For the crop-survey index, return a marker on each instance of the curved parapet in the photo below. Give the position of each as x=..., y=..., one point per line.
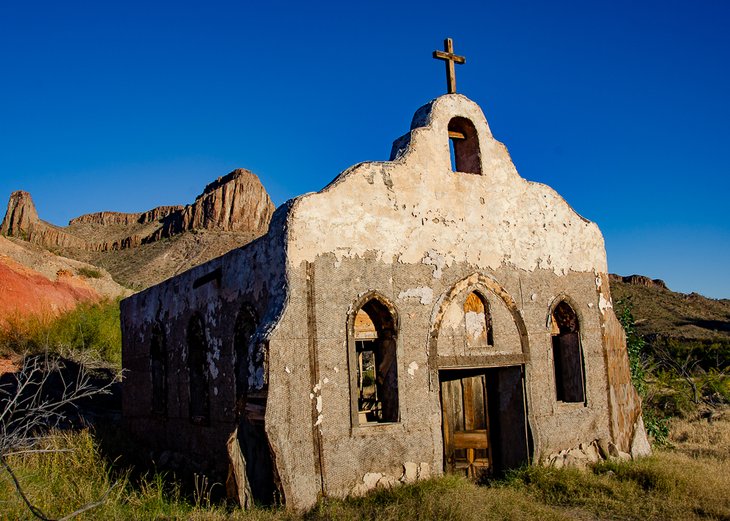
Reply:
x=416, y=206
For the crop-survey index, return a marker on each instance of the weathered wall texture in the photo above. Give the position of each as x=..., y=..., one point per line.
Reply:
x=218, y=291
x=415, y=209
x=422, y=236
x=419, y=237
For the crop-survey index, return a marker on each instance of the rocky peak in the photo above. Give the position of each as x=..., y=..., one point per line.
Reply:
x=22, y=221
x=20, y=216
x=234, y=202
x=640, y=280
x=237, y=201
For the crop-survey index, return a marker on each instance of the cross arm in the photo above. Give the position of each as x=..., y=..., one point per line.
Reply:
x=441, y=55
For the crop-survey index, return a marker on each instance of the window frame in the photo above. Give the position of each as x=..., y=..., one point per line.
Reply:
x=465, y=154
x=559, y=376
x=352, y=360
x=488, y=319
x=159, y=355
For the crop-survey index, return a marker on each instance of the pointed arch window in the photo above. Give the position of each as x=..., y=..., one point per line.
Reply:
x=373, y=339
x=567, y=354
x=478, y=321
x=198, y=371
x=464, y=146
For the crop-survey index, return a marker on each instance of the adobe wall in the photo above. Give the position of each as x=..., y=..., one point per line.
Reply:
x=217, y=290
x=421, y=236
x=412, y=230
x=352, y=456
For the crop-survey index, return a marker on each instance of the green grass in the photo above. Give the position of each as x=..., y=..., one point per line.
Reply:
x=89, y=273
x=89, y=332
x=670, y=485
x=686, y=480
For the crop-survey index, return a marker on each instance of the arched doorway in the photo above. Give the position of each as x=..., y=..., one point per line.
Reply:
x=482, y=392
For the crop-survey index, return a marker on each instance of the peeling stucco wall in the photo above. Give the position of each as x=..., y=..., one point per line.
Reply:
x=415, y=209
x=217, y=291
x=421, y=237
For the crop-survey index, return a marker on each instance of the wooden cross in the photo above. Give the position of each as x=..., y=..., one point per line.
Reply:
x=450, y=58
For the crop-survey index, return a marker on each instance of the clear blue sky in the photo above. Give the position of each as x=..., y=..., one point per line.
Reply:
x=622, y=107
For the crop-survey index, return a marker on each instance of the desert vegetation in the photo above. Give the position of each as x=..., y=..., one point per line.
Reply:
x=89, y=333
x=85, y=469
x=687, y=481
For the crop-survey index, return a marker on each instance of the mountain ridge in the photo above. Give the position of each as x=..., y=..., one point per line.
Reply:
x=234, y=202
x=144, y=248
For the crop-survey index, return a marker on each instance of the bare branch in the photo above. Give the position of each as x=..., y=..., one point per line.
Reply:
x=30, y=406
x=33, y=509
x=89, y=506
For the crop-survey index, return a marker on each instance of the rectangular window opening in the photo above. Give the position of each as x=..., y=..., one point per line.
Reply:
x=369, y=407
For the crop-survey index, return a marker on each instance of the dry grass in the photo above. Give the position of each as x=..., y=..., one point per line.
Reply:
x=688, y=481
x=706, y=436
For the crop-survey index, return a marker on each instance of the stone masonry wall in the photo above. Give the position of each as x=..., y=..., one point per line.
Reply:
x=352, y=454
x=411, y=229
x=253, y=276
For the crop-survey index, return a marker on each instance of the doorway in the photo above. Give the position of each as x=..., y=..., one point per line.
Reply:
x=484, y=421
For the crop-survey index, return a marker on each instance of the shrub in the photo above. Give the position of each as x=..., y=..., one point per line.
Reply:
x=89, y=273
x=90, y=332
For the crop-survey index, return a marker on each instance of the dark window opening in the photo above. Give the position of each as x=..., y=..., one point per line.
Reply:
x=197, y=372
x=245, y=328
x=213, y=276
x=567, y=355
x=478, y=321
x=376, y=364
x=158, y=370
x=464, y=146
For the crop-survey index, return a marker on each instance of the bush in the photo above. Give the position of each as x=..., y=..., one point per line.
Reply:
x=90, y=332
x=656, y=423
x=89, y=273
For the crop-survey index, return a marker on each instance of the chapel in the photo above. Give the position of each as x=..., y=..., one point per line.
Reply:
x=432, y=313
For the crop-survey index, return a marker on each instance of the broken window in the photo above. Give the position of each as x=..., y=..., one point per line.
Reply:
x=464, y=146
x=158, y=370
x=198, y=371
x=567, y=354
x=245, y=328
x=376, y=367
x=478, y=321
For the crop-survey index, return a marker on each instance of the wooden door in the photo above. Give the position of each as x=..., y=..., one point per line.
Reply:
x=465, y=421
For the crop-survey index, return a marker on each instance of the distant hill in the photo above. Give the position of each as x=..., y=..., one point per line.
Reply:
x=141, y=249
x=688, y=328
x=661, y=311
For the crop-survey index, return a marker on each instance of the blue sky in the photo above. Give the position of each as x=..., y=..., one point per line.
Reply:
x=622, y=107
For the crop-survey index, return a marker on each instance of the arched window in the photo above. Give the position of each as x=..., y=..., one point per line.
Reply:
x=375, y=386
x=464, y=146
x=567, y=354
x=198, y=371
x=245, y=328
x=478, y=321
x=158, y=371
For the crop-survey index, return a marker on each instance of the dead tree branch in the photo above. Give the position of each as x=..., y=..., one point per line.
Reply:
x=34, y=400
